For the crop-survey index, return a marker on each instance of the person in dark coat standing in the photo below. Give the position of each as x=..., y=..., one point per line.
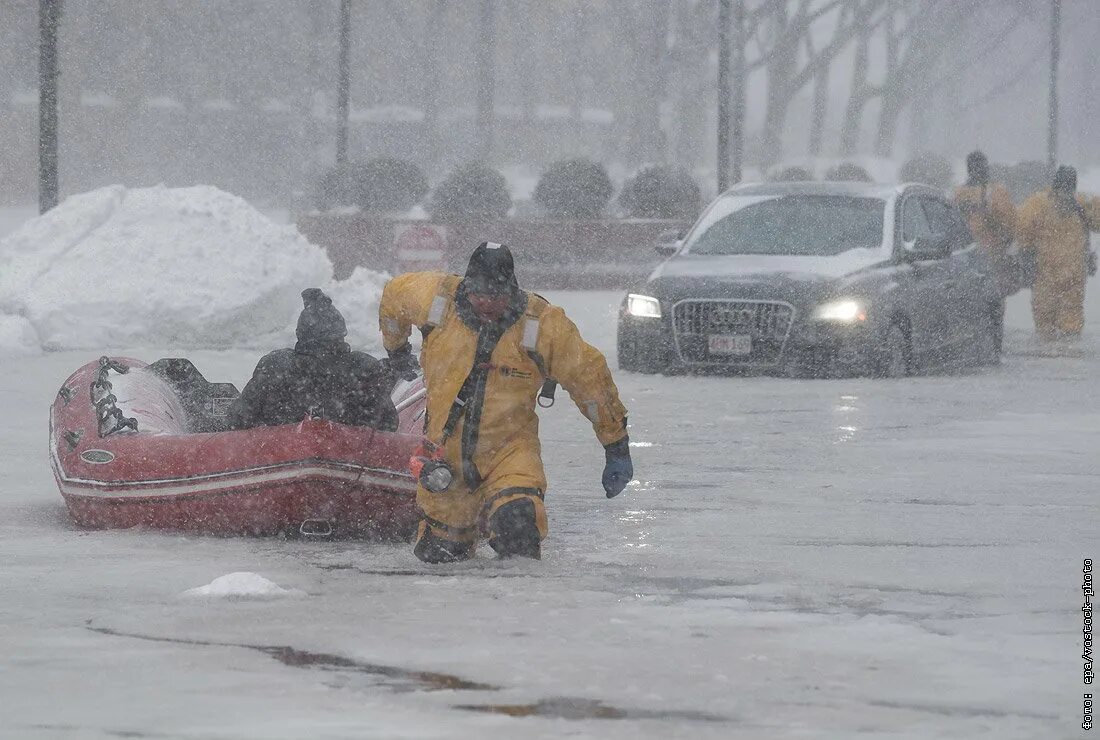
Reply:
x=321, y=377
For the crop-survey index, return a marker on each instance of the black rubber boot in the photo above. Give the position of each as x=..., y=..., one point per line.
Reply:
x=514, y=532
x=432, y=549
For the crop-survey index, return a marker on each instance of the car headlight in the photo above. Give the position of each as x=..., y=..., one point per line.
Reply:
x=643, y=305
x=844, y=311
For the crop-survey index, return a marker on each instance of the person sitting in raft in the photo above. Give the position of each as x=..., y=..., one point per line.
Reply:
x=320, y=377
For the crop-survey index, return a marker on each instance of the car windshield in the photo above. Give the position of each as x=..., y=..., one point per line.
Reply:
x=800, y=225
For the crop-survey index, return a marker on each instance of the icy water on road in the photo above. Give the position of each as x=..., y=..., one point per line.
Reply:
x=843, y=558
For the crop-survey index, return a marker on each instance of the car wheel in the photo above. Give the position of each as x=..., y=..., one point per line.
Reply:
x=896, y=357
x=990, y=339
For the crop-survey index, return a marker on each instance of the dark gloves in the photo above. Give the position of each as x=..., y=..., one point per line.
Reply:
x=402, y=362
x=618, y=470
x=1090, y=262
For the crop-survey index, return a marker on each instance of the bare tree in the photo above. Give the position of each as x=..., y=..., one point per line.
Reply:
x=647, y=21
x=927, y=45
x=691, y=89
x=790, y=58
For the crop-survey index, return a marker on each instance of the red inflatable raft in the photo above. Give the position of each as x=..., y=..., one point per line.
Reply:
x=133, y=444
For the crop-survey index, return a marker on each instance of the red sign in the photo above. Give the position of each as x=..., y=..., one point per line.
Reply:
x=419, y=247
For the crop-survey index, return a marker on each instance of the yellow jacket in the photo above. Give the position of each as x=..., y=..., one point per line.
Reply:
x=501, y=415
x=1058, y=235
x=990, y=214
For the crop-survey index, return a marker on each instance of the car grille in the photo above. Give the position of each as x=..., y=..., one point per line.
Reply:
x=767, y=322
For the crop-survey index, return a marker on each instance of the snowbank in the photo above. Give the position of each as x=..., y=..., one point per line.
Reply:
x=181, y=267
x=30, y=250
x=241, y=585
x=357, y=297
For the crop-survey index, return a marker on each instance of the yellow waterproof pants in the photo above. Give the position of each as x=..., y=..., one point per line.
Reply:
x=460, y=514
x=1058, y=306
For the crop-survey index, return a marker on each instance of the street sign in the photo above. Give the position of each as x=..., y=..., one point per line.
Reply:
x=420, y=247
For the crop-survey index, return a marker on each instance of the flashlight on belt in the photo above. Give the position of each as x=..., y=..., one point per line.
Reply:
x=430, y=468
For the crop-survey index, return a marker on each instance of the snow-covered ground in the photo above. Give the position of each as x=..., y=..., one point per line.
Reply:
x=832, y=559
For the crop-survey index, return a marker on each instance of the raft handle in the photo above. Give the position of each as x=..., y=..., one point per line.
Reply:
x=316, y=528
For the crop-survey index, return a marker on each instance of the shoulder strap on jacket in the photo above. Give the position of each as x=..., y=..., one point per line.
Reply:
x=444, y=298
x=536, y=305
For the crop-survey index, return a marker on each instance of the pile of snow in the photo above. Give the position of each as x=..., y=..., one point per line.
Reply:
x=242, y=585
x=30, y=250
x=357, y=298
x=171, y=267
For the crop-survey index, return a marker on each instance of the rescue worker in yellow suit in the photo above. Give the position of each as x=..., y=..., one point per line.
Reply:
x=991, y=215
x=1054, y=228
x=489, y=350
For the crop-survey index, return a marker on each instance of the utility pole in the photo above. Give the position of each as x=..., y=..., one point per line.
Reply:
x=343, y=83
x=1055, y=58
x=486, y=79
x=433, y=57
x=49, y=19
x=723, y=159
x=738, y=133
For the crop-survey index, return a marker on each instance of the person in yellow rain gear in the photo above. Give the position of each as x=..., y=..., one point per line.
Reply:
x=489, y=350
x=1054, y=228
x=989, y=212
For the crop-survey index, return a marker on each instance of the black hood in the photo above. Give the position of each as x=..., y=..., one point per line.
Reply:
x=321, y=326
x=491, y=270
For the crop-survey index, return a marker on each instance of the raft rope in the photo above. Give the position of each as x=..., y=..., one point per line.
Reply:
x=109, y=417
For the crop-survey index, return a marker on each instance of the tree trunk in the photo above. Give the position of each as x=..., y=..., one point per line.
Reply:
x=892, y=107
x=486, y=79
x=778, y=94
x=775, y=116
x=918, y=124
x=645, y=141
x=857, y=98
x=778, y=102
x=820, y=109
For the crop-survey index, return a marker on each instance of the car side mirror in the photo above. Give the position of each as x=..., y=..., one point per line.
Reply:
x=929, y=248
x=669, y=242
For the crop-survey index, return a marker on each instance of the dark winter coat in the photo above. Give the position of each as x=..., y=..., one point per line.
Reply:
x=322, y=377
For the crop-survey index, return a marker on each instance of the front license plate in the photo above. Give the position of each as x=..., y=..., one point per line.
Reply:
x=729, y=344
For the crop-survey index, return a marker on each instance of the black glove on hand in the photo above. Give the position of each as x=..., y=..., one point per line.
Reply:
x=618, y=470
x=402, y=362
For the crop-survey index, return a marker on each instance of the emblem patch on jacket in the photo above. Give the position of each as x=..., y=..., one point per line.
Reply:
x=512, y=372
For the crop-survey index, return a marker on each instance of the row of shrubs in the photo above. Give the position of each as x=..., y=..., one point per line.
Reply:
x=570, y=189
x=581, y=189
x=1021, y=179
